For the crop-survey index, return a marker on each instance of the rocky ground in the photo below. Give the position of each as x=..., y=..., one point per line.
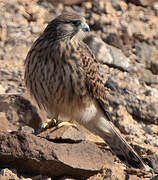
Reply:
x=124, y=39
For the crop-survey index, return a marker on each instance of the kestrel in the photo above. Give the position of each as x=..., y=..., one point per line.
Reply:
x=63, y=76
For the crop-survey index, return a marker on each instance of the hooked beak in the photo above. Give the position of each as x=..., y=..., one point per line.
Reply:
x=85, y=27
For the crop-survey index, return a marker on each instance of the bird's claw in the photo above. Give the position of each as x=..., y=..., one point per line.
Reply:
x=49, y=123
x=67, y=124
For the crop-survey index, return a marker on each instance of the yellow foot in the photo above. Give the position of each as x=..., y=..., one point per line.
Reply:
x=66, y=124
x=49, y=123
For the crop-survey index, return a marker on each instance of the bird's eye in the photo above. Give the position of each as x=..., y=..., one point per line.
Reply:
x=76, y=23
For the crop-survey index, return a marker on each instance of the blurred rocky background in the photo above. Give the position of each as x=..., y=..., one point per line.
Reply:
x=124, y=38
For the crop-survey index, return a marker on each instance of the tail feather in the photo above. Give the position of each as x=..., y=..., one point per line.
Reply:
x=121, y=148
x=102, y=127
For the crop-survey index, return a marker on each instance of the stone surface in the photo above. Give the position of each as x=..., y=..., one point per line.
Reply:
x=154, y=66
x=67, y=2
x=142, y=2
x=30, y=154
x=11, y=174
x=148, y=55
x=65, y=134
x=8, y=174
x=18, y=111
x=107, y=54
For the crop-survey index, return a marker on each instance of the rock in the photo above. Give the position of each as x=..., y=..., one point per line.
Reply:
x=147, y=76
x=37, y=155
x=98, y=6
x=148, y=55
x=150, y=140
x=2, y=90
x=8, y=174
x=35, y=29
x=116, y=5
x=113, y=39
x=107, y=54
x=67, y=2
x=143, y=50
x=11, y=174
x=116, y=172
x=127, y=124
x=143, y=3
x=154, y=161
x=5, y=124
x=155, y=178
x=19, y=111
x=154, y=66
x=155, y=7
x=119, y=59
x=64, y=134
x=27, y=129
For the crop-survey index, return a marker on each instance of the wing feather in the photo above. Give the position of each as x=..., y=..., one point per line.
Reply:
x=96, y=82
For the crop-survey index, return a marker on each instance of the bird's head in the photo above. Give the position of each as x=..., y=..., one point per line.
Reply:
x=66, y=25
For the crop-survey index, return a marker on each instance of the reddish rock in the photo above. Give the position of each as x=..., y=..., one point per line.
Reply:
x=19, y=111
x=5, y=125
x=68, y=2
x=30, y=154
x=6, y=174
x=12, y=174
x=142, y=2
x=154, y=66
x=64, y=134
